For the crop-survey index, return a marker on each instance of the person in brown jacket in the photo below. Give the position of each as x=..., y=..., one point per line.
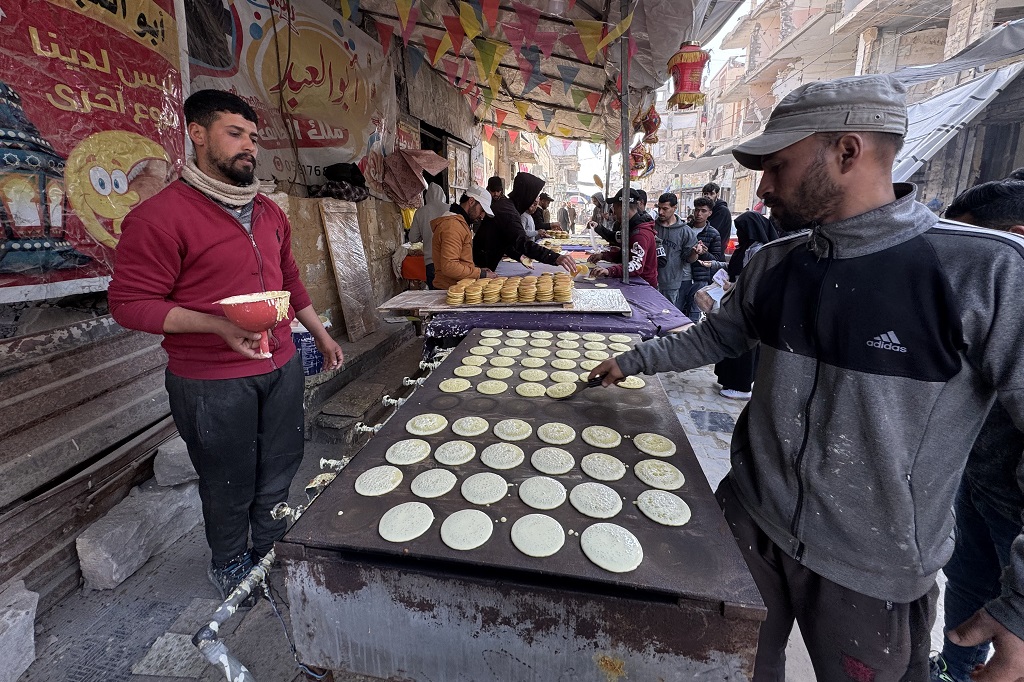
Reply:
x=453, y=239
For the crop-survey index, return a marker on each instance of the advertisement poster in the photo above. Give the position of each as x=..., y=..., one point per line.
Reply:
x=90, y=100
x=323, y=90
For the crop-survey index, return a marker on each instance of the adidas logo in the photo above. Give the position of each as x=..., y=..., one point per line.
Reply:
x=888, y=341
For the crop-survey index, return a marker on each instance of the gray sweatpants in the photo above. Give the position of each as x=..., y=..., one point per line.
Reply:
x=849, y=636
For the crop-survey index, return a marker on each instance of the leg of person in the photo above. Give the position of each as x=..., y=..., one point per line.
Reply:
x=671, y=294
x=680, y=300
x=852, y=636
x=430, y=275
x=218, y=420
x=972, y=575
x=764, y=560
x=690, y=308
x=280, y=450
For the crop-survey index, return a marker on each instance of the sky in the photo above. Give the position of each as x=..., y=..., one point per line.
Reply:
x=591, y=163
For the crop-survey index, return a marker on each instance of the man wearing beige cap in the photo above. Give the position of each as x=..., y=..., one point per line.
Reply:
x=882, y=347
x=453, y=239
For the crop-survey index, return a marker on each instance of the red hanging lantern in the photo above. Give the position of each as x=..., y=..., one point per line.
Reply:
x=687, y=69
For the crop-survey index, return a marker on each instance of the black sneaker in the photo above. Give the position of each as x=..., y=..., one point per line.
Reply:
x=938, y=670
x=227, y=576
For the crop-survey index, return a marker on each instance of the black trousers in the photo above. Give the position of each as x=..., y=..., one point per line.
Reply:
x=738, y=373
x=849, y=635
x=244, y=437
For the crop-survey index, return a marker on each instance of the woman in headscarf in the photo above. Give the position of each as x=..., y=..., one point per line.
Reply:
x=753, y=230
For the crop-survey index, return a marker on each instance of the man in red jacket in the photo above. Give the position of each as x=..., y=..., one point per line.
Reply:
x=205, y=237
x=643, y=250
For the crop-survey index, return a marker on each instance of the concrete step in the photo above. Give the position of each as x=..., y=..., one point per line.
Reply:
x=361, y=357
x=360, y=399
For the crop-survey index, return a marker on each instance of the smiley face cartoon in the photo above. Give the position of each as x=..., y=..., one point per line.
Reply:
x=108, y=174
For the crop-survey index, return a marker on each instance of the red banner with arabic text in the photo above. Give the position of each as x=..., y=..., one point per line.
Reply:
x=90, y=107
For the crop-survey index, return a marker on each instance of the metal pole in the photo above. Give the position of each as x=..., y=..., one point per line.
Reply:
x=624, y=136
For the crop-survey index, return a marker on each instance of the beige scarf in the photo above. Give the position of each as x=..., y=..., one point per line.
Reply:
x=231, y=195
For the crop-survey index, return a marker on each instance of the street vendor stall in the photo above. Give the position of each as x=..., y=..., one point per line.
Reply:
x=512, y=585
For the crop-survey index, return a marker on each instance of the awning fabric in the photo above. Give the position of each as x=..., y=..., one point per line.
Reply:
x=702, y=164
x=935, y=121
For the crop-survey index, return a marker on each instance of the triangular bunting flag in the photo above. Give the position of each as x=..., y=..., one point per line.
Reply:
x=489, y=54
x=566, y=144
x=436, y=47
x=591, y=33
x=385, y=32
x=532, y=125
x=618, y=141
x=545, y=86
x=488, y=131
x=456, y=34
x=408, y=24
x=528, y=17
x=529, y=65
x=513, y=135
x=572, y=3
x=549, y=116
x=451, y=72
x=490, y=12
x=568, y=74
x=488, y=95
x=615, y=104
x=495, y=83
x=563, y=131
x=617, y=31
x=593, y=99
x=523, y=108
x=632, y=47
x=470, y=20
x=585, y=119
x=542, y=138
x=515, y=34
x=573, y=42
x=404, y=8
x=578, y=96
x=416, y=58
x=545, y=40
x=499, y=116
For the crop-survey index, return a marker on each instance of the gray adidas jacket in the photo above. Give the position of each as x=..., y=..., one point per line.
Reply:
x=883, y=347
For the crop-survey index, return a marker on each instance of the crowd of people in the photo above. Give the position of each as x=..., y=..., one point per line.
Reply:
x=878, y=346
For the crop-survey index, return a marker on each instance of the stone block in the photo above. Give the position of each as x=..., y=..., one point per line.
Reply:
x=172, y=655
x=172, y=465
x=142, y=525
x=17, y=630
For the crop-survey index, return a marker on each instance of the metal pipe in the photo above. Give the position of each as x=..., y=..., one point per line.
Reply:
x=214, y=650
x=388, y=401
x=625, y=136
x=408, y=381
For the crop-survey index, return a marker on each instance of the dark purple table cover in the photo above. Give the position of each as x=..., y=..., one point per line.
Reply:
x=653, y=314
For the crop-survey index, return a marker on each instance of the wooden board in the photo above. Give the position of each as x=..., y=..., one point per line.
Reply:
x=351, y=268
x=584, y=301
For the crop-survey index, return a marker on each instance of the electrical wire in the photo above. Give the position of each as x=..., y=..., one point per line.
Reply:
x=284, y=627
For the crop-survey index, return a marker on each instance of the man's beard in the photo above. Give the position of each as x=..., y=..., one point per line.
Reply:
x=238, y=175
x=818, y=196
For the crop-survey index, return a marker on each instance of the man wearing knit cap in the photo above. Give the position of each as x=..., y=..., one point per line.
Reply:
x=882, y=347
x=205, y=237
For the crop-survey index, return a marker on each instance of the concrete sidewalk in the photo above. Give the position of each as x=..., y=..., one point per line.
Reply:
x=140, y=631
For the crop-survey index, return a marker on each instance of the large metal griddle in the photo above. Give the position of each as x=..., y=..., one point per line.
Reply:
x=698, y=561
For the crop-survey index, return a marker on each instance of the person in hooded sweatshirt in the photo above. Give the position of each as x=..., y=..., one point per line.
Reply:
x=643, y=250
x=435, y=205
x=503, y=235
x=736, y=375
x=677, y=242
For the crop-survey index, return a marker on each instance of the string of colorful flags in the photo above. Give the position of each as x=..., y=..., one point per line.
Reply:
x=475, y=29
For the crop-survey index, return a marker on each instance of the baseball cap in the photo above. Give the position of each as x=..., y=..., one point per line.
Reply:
x=857, y=104
x=482, y=197
x=634, y=196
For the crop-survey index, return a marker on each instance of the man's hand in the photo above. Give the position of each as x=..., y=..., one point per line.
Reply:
x=700, y=248
x=1007, y=663
x=542, y=234
x=239, y=340
x=567, y=262
x=609, y=369
x=706, y=263
x=598, y=272
x=333, y=356
x=594, y=258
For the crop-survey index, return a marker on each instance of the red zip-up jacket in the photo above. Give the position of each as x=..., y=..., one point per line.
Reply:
x=643, y=254
x=180, y=249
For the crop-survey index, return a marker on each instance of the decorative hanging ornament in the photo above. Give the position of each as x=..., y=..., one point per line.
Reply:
x=641, y=162
x=648, y=123
x=687, y=69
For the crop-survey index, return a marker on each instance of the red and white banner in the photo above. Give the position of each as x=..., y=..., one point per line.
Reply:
x=90, y=100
